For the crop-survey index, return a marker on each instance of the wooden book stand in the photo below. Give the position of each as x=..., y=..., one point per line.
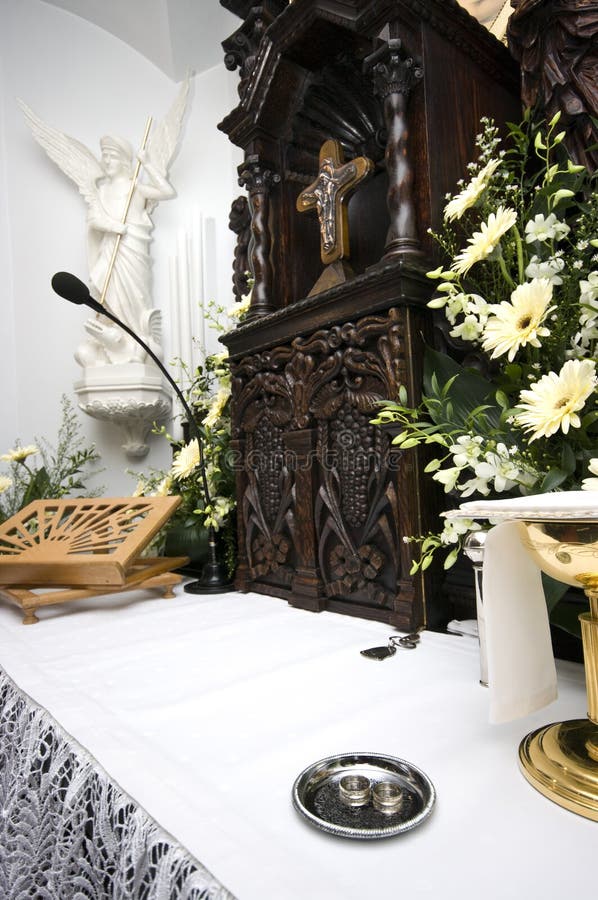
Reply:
x=83, y=548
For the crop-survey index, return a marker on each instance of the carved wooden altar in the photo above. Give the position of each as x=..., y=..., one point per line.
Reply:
x=323, y=501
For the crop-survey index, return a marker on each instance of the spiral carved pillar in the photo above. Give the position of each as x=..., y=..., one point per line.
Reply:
x=258, y=178
x=395, y=75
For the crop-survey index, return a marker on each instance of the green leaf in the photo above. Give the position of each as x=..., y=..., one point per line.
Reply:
x=568, y=460
x=467, y=389
x=552, y=480
x=502, y=400
x=38, y=487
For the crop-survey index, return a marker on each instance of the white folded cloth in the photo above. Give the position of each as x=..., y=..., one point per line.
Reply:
x=521, y=669
x=559, y=504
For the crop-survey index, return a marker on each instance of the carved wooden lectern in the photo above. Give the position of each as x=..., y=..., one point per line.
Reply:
x=323, y=503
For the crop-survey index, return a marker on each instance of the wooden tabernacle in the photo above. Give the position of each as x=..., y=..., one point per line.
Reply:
x=83, y=548
x=399, y=87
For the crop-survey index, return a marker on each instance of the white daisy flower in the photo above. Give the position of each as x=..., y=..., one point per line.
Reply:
x=186, y=460
x=469, y=195
x=483, y=243
x=517, y=323
x=554, y=401
x=20, y=454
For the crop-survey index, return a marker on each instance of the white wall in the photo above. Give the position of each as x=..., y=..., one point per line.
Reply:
x=82, y=80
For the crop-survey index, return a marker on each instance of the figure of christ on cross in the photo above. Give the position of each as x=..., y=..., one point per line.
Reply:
x=327, y=195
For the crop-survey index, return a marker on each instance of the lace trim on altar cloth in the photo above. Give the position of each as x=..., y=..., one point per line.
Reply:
x=67, y=832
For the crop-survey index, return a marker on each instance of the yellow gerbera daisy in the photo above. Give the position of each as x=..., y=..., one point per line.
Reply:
x=186, y=460
x=470, y=194
x=554, y=401
x=519, y=322
x=20, y=454
x=483, y=243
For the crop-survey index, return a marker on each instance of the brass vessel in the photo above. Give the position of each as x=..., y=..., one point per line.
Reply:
x=561, y=760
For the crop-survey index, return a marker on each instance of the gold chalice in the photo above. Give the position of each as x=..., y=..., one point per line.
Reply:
x=561, y=760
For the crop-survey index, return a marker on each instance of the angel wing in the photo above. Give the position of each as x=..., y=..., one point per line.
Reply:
x=72, y=157
x=164, y=138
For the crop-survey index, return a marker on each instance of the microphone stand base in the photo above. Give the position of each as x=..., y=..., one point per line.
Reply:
x=213, y=579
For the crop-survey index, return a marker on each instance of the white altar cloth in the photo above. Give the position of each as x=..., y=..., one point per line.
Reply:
x=205, y=709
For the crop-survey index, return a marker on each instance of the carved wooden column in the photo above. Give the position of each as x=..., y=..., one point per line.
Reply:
x=301, y=456
x=395, y=74
x=258, y=178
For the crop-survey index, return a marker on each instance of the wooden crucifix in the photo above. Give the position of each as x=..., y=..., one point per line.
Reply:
x=327, y=195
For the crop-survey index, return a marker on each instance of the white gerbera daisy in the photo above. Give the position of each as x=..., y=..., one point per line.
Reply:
x=483, y=243
x=470, y=194
x=186, y=460
x=554, y=401
x=591, y=484
x=20, y=454
x=5, y=483
x=517, y=323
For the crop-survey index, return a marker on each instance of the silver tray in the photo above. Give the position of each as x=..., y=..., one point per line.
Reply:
x=316, y=796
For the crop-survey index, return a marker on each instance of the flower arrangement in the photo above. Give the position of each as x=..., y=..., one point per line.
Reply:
x=207, y=391
x=57, y=471
x=519, y=293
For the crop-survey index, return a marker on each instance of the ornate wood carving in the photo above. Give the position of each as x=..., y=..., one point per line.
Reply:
x=239, y=221
x=556, y=42
x=258, y=178
x=321, y=507
x=339, y=105
x=395, y=75
x=240, y=48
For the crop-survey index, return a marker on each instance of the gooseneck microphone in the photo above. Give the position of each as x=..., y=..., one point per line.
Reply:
x=213, y=580
x=74, y=290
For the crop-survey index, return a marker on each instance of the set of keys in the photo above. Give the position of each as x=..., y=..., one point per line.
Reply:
x=406, y=642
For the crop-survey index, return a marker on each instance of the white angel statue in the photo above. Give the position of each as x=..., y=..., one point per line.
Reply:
x=119, y=204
